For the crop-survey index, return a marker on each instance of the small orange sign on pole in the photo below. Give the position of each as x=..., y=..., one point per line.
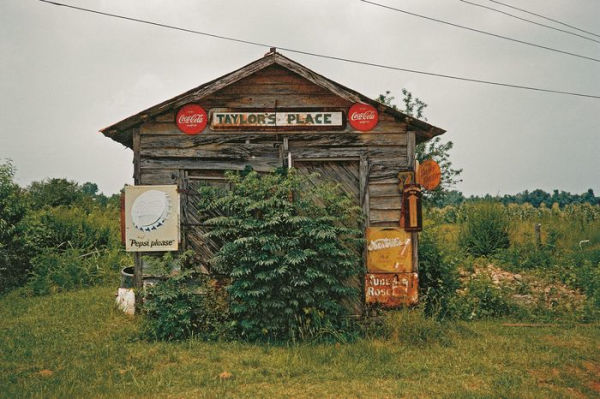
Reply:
x=429, y=174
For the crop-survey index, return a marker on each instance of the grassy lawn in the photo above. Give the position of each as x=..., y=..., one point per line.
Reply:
x=76, y=345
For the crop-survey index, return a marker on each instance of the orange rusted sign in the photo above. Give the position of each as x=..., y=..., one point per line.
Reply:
x=429, y=174
x=389, y=250
x=391, y=290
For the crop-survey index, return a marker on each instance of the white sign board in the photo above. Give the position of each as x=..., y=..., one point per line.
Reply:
x=300, y=119
x=151, y=218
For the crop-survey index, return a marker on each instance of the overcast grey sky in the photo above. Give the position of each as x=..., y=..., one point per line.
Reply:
x=66, y=74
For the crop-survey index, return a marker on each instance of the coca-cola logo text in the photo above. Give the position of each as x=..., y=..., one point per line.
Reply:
x=196, y=118
x=363, y=116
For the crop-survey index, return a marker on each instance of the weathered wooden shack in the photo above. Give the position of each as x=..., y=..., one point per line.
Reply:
x=320, y=136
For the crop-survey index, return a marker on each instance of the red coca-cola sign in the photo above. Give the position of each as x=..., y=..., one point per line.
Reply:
x=191, y=119
x=363, y=117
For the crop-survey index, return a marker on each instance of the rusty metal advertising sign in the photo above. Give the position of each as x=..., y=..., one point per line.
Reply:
x=391, y=290
x=389, y=250
x=151, y=218
x=229, y=119
x=429, y=174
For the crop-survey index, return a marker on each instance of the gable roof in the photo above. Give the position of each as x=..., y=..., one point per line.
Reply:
x=122, y=131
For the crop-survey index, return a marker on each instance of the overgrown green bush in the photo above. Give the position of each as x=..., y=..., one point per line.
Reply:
x=62, y=228
x=184, y=303
x=485, y=229
x=74, y=268
x=16, y=247
x=292, y=251
x=481, y=299
x=526, y=256
x=438, y=277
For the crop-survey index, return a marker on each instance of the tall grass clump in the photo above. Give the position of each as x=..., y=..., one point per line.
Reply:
x=438, y=277
x=485, y=229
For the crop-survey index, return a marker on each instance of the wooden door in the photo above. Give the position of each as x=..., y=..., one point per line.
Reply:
x=192, y=221
x=344, y=172
x=351, y=176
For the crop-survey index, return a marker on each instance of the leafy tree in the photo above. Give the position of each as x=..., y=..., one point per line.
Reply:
x=54, y=192
x=433, y=149
x=15, y=248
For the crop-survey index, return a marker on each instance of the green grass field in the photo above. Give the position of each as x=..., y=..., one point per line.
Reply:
x=75, y=345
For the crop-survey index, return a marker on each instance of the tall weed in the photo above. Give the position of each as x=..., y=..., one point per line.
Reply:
x=485, y=229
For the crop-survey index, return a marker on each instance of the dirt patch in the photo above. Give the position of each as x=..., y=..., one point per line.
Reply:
x=594, y=386
x=45, y=373
x=592, y=367
x=562, y=343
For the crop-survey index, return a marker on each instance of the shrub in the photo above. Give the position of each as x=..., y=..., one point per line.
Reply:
x=289, y=253
x=73, y=268
x=481, y=299
x=485, y=229
x=61, y=228
x=186, y=304
x=438, y=277
x=526, y=256
x=16, y=247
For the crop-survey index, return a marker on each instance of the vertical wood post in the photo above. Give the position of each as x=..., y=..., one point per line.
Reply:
x=138, y=282
x=411, y=143
x=538, y=234
x=137, y=257
x=136, y=156
x=363, y=176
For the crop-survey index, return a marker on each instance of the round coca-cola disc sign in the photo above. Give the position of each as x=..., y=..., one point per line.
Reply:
x=191, y=119
x=363, y=117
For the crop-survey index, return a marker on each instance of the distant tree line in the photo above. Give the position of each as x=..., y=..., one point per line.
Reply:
x=536, y=198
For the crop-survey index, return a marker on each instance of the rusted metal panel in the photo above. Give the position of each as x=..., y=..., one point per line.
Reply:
x=392, y=289
x=389, y=250
x=429, y=174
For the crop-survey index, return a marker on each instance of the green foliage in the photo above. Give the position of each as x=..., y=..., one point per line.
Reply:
x=54, y=271
x=526, y=256
x=54, y=192
x=438, y=277
x=485, y=229
x=16, y=250
x=481, y=299
x=184, y=304
x=57, y=235
x=73, y=227
x=414, y=327
x=433, y=149
x=291, y=250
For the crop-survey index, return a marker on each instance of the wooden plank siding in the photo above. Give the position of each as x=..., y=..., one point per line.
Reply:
x=164, y=154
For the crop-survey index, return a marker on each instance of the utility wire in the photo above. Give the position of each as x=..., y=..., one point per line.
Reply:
x=529, y=20
x=482, y=31
x=546, y=18
x=372, y=64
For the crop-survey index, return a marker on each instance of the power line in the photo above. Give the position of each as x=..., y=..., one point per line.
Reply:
x=546, y=18
x=482, y=31
x=529, y=20
x=372, y=64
